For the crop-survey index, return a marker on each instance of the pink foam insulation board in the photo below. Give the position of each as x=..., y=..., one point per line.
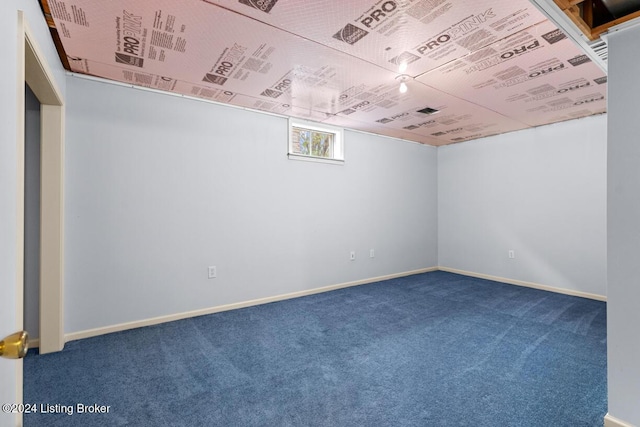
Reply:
x=473, y=68
x=423, y=34
x=536, y=76
x=427, y=112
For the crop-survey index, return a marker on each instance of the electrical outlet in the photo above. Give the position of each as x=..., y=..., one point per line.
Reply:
x=372, y=253
x=212, y=272
x=352, y=256
x=512, y=254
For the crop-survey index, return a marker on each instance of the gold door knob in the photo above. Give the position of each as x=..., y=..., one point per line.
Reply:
x=15, y=346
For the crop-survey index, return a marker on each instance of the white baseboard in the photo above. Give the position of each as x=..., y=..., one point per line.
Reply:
x=526, y=284
x=217, y=309
x=610, y=421
x=163, y=319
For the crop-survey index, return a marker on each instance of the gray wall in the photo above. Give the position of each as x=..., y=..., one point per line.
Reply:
x=32, y=214
x=540, y=192
x=160, y=187
x=623, y=314
x=155, y=195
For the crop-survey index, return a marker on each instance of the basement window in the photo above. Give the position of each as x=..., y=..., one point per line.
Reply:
x=315, y=142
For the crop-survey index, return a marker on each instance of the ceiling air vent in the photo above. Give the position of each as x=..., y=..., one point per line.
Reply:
x=599, y=48
x=428, y=110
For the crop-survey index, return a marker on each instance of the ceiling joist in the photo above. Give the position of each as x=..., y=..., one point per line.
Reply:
x=592, y=17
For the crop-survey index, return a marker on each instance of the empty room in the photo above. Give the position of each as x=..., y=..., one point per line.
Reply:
x=330, y=213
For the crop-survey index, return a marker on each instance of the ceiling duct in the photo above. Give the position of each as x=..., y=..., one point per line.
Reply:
x=621, y=8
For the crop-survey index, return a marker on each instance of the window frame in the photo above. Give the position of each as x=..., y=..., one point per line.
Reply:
x=338, y=141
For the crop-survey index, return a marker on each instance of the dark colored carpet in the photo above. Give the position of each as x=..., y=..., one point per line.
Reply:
x=434, y=349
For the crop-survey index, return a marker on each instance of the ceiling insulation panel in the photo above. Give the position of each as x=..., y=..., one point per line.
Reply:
x=536, y=76
x=452, y=120
x=423, y=34
x=338, y=61
x=381, y=130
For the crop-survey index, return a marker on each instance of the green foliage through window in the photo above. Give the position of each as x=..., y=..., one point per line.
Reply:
x=313, y=143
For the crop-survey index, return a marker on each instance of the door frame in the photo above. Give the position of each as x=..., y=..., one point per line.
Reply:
x=34, y=70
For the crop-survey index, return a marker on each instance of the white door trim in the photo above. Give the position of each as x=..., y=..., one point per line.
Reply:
x=39, y=77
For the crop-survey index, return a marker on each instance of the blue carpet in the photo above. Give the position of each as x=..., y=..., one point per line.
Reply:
x=434, y=349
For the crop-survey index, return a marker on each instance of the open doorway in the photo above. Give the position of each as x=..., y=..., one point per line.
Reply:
x=39, y=78
x=31, y=316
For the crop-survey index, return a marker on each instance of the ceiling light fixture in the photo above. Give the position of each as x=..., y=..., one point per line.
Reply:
x=403, y=82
